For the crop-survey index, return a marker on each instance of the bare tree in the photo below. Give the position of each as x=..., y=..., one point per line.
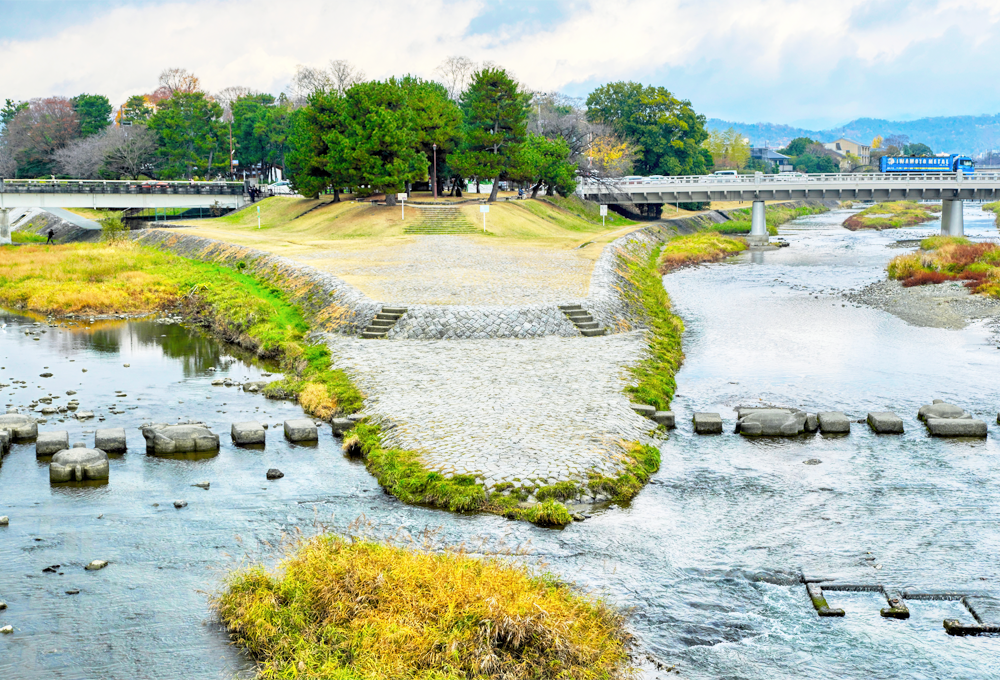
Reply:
x=83, y=158
x=343, y=74
x=306, y=81
x=227, y=96
x=455, y=73
x=131, y=151
x=37, y=132
x=179, y=80
x=8, y=166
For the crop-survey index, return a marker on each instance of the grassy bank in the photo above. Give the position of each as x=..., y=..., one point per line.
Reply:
x=356, y=609
x=703, y=246
x=126, y=278
x=995, y=209
x=950, y=258
x=892, y=215
x=775, y=216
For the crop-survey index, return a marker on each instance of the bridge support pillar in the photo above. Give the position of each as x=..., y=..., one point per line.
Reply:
x=758, y=225
x=4, y=226
x=952, y=221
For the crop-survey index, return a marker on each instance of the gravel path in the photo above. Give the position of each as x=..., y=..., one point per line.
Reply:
x=449, y=270
x=547, y=409
x=943, y=305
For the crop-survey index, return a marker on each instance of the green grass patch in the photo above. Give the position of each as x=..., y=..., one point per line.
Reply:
x=774, y=215
x=27, y=237
x=571, y=214
x=353, y=609
x=892, y=215
x=994, y=208
x=950, y=258
x=644, y=461
x=702, y=246
x=935, y=242
x=586, y=210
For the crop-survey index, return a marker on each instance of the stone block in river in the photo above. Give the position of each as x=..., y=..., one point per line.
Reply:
x=20, y=426
x=643, y=410
x=4, y=442
x=250, y=432
x=301, y=430
x=833, y=422
x=771, y=422
x=707, y=423
x=665, y=418
x=941, y=409
x=254, y=386
x=111, y=440
x=78, y=464
x=956, y=427
x=812, y=422
x=49, y=443
x=189, y=438
x=342, y=425
x=885, y=422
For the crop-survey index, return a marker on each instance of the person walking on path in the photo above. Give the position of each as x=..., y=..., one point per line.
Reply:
x=51, y=234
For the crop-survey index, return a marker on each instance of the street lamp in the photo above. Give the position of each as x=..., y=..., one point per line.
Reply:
x=434, y=170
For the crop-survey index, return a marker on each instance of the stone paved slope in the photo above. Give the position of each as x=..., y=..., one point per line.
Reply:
x=547, y=409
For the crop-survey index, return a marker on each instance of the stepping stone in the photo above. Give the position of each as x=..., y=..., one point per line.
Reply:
x=771, y=422
x=833, y=422
x=188, y=438
x=815, y=592
x=941, y=409
x=49, y=443
x=20, y=426
x=78, y=464
x=885, y=422
x=665, y=418
x=301, y=430
x=4, y=442
x=643, y=410
x=111, y=440
x=707, y=423
x=341, y=425
x=956, y=427
x=250, y=432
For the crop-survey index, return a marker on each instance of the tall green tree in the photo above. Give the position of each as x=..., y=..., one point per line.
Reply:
x=494, y=116
x=437, y=120
x=94, y=113
x=666, y=132
x=136, y=111
x=9, y=110
x=544, y=161
x=260, y=131
x=370, y=137
x=191, y=135
x=306, y=159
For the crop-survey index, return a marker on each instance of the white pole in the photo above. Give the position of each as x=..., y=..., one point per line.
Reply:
x=258, y=217
x=403, y=205
x=484, y=223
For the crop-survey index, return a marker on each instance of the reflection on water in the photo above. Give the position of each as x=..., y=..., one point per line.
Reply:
x=707, y=556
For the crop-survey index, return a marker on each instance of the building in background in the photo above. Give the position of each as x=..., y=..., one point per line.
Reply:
x=844, y=146
x=771, y=158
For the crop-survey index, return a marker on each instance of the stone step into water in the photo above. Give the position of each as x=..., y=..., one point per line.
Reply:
x=301, y=430
x=50, y=443
x=19, y=425
x=707, y=423
x=885, y=422
x=164, y=439
x=833, y=422
x=774, y=422
x=247, y=433
x=79, y=464
x=947, y=420
x=111, y=440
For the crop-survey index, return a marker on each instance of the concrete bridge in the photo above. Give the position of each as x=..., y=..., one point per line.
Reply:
x=41, y=193
x=949, y=188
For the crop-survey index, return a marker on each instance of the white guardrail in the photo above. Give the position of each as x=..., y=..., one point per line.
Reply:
x=92, y=186
x=796, y=178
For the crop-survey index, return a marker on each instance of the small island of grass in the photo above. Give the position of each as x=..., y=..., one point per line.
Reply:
x=892, y=215
x=950, y=258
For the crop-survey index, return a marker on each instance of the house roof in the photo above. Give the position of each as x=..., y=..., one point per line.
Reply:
x=766, y=154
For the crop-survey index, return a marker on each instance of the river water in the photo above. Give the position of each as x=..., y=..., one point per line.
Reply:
x=707, y=557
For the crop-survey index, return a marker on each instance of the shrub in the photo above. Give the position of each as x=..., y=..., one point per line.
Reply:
x=921, y=278
x=548, y=513
x=113, y=229
x=935, y=242
x=904, y=266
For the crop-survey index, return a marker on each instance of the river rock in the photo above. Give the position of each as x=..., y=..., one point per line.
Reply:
x=111, y=440
x=189, y=438
x=4, y=521
x=665, y=418
x=940, y=409
x=6, y=630
x=301, y=430
x=218, y=382
x=49, y=443
x=78, y=464
x=956, y=427
x=20, y=426
x=885, y=422
x=203, y=485
x=770, y=422
x=96, y=565
x=341, y=425
x=833, y=422
x=4, y=442
x=275, y=473
x=180, y=504
x=254, y=386
x=250, y=432
x=84, y=415
x=707, y=423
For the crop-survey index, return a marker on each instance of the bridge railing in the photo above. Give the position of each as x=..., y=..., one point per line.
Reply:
x=75, y=186
x=635, y=184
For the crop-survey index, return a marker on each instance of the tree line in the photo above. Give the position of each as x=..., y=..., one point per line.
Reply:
x=333, y=130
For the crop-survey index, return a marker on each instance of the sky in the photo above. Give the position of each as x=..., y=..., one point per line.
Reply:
x=810, y=63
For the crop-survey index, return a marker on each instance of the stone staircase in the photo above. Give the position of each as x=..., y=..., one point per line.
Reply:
x=583, y=321
x=383, y=322
x=441, y=219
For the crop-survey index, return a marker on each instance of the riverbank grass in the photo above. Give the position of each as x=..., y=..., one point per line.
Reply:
x=361, y=610
x=774, y=216
x=123, y=277
x=892, y=215
x=702, y=246
x=950, y=258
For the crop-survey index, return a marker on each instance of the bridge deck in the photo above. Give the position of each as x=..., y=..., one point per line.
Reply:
x=865, y=187
x=118, y=194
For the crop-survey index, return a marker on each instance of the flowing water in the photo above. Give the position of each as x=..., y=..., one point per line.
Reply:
x=708, y=556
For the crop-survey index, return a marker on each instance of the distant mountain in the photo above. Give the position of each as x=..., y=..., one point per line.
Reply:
x=946, y=134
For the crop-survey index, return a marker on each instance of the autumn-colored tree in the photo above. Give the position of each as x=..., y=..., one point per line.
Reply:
x=610, y=157
x=35, y=133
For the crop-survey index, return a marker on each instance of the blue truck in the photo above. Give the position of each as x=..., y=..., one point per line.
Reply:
x=952, y=163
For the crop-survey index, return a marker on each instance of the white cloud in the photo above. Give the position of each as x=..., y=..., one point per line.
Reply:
x=741, y=59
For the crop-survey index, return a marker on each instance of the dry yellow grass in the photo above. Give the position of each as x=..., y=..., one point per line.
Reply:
x=364, y=610
x=316, y=399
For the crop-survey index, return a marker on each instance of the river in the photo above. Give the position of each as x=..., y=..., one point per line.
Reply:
x=707, y=557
